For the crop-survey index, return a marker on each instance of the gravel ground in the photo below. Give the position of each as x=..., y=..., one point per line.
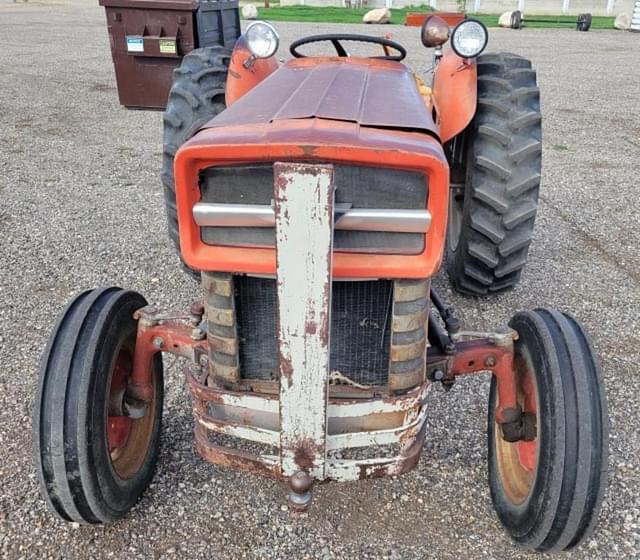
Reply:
x=82, y=206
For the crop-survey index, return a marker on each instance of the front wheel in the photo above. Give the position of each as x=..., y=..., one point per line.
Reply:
x=547, y=491
x=93, y=459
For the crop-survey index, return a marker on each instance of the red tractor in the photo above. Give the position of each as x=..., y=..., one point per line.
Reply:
x=315, y=200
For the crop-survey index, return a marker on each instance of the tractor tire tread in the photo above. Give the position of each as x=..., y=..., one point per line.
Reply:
x=196, y=96
x=64, y=446
x=503, y=178
x=562, y=508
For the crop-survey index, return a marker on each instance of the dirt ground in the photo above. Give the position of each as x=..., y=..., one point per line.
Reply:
x=81, y=206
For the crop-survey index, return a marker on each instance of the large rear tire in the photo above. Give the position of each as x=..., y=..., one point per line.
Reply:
x=93, y=461
x=492, y=215
x=547, y=492
x=196, y=96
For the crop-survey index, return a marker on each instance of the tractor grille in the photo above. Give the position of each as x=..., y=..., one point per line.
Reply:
x=360, y=328
x=356, y=186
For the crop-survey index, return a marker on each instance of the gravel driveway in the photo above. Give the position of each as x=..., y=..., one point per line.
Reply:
x=82, y=206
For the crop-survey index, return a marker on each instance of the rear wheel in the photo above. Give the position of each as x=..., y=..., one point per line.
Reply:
x=492, y=213
x=547, y=492
x=196, y=96
x=93, y=459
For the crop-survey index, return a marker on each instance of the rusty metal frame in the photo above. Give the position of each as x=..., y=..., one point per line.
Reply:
x=156, y=333
x=301, y=421
x=481, y=353
x=351, y=422
x=256, y=418
x=485, y=355
x=297, y=418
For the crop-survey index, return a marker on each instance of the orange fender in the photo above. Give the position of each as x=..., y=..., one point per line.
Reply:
x=241, y=79
x=455, y=92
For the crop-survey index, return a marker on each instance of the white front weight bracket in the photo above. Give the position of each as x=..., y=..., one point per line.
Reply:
x=304, y=200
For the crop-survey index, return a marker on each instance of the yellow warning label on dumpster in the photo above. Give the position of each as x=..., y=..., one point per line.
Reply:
x=167, y=46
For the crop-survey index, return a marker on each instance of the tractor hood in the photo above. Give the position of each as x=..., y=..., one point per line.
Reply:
x=369, y=92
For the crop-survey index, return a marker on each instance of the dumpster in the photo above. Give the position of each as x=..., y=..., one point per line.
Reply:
x=149, y=38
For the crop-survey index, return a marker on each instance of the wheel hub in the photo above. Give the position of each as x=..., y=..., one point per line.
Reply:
x=118, y=423
x=129, y=422
x=517, y=439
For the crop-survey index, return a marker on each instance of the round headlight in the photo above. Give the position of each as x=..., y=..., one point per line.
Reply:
x=469, y=38
x=435, y=32
x=262, y=39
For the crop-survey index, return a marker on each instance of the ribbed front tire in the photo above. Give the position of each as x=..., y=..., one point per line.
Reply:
x=547, y=492
x=93, y=462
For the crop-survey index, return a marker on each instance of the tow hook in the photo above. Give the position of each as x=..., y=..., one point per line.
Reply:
x=300, y=495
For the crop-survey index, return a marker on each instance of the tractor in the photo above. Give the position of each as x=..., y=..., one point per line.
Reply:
x=315, y=199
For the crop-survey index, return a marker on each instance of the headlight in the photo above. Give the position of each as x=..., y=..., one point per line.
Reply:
x=262, y=39
x=435, y=32
x=469, y=38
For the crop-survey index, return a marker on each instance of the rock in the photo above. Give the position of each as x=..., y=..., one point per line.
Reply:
x=622, y=21
x=505, y=20
x=379, y=15
x=249, y=11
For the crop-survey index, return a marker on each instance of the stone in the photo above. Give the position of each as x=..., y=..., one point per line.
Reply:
x=249, y=11
x=379, y=15
x=505, y=20
x=622, y=21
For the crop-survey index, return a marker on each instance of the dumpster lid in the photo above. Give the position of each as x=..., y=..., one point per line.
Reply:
x=152, y=4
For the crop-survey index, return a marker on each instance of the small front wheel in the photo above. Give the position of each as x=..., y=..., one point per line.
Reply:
x=547, y=491
x=94, y=459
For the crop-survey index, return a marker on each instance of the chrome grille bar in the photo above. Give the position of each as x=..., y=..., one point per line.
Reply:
x=207, y=214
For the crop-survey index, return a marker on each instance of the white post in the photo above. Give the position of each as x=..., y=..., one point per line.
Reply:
x=476, y=5
x=565, y=6
x=521, y=5
x=303, y=195
x=611, y=4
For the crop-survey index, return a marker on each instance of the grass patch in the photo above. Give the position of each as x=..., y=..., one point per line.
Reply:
x=330, y=14
x=334, y=14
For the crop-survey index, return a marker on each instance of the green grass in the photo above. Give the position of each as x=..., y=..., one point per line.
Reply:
x=349, y=15
x=329, y=14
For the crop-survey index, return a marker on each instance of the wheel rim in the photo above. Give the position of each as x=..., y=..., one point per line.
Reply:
x=127, y=439
x=518, y=461
x=456, y=201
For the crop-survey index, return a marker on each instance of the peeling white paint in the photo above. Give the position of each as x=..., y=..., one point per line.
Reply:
x=250, y=433
x=304, y=197
x=378, y=437
x=366, y=407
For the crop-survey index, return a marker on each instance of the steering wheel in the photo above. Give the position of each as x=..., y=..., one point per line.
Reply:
x=335, y=39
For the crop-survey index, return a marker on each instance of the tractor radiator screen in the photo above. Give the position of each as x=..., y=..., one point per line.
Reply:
x=356, y=186
x=360, y=328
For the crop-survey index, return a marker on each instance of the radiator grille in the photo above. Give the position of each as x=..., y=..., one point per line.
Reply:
x=359, y=187
x=360, y=328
